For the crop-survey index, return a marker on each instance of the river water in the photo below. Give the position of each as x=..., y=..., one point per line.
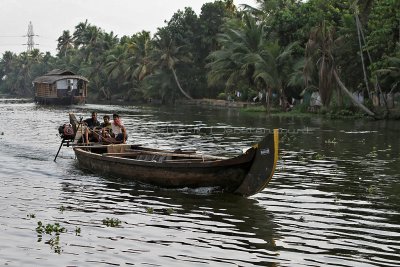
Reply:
x=333, y=201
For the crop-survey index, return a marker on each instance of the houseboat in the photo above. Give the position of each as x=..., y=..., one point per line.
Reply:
x=60, y=87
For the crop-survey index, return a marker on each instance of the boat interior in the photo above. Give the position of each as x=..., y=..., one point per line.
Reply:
x=152, y=155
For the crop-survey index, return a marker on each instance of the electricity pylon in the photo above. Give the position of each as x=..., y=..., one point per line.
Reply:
x=30, y=34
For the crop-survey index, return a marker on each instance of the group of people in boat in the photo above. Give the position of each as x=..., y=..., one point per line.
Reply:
x=109, y=131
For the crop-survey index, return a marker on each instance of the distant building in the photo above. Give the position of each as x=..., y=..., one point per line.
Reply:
x=60, y=87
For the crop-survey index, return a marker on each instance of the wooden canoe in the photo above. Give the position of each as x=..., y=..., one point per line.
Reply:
x=246, y=174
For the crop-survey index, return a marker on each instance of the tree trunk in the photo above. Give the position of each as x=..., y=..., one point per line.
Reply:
x=179, y=85
x=355, y=102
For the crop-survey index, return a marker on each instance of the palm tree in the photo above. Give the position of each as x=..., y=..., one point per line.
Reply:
x=109, y=41
x=391, y=73
x=247, y=55
x=167, y=55
x=65, y=43
x=140, y=48
x=117, y=65
x=79, y=34
x=320, y=58
x=319, y=50
x=7, y=61
x=273, y=67
x=232, y=63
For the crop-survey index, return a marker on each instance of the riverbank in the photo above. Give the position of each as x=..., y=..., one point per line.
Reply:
x=216, y=103
x=299, y=111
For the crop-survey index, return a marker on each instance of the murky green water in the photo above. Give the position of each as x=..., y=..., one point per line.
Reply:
x=334, y=200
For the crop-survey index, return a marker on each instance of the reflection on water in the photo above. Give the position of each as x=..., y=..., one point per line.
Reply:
x=334, y=200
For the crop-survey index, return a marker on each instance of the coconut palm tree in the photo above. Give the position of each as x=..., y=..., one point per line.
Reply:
x=65, y=43
x=233, y=63
x=79, y=34
x=391, y=73
x=320, y=58
x=140, y=47
x=117, y=65
x=166, y=55
x=273, y=67
x=248, y=55
x=319, y=53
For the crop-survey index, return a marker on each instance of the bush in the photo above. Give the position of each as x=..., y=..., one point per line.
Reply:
x=221, y=96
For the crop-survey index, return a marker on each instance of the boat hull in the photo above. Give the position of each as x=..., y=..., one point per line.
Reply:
x=228, y=176
x=245, y=175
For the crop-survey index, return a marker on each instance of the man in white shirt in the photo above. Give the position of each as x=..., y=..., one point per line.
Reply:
x=118, y=129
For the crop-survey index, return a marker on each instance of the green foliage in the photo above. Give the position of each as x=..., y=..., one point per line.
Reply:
x=223, y=50
x=222, y=96
x=150, y=210
x=77, y=230
x=50, y=229
x=384, y=43
x=111, y=222
x=170, y=211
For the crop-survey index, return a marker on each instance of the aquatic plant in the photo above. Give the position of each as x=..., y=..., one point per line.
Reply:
x=149, y=210
x=331, y=141
x=318, y=156
x=49, y=229
x=111, y=222
x=371, y=189
x=54, y=243
x=77, y=230
x=301, y=158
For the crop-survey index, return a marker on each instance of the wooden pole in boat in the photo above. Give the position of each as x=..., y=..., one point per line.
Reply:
x=62, y=142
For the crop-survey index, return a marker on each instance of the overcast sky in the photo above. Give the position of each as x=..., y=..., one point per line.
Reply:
x=51, y=17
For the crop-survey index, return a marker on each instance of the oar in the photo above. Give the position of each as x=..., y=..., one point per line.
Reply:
x=62, y=142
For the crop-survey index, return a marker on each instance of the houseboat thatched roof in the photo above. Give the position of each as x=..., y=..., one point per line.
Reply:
x=57, y=74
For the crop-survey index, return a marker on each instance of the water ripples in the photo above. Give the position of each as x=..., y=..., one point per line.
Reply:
x=334, y=200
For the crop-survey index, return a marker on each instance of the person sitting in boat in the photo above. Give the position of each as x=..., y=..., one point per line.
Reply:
x=105, y=126
x=118, y=129
x=91, y=131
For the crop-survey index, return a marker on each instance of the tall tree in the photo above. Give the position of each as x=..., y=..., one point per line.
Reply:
x=167, y=55
x=320, y=52
x=65, y=43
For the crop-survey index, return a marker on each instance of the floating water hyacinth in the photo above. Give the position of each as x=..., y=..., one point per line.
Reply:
x=111, y=222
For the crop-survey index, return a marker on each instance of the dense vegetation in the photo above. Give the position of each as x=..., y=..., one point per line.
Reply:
x=281, y=47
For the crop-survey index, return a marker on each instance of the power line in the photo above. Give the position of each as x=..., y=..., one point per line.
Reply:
x=7, y=40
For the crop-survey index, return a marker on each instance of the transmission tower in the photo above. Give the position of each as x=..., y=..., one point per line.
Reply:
x=31, y=42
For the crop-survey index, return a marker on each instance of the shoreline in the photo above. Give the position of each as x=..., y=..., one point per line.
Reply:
x=247, y=107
